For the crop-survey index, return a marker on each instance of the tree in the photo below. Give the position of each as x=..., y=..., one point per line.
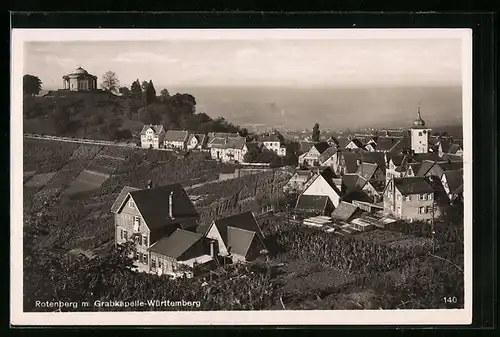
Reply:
x=252, y=155
x=150, y=92
x=165, y=95
x=244, y=132
x=124, y=91
x=135, y=89
x=183, y=104
x=110, y=82
x=315, y=133
x=31, y=85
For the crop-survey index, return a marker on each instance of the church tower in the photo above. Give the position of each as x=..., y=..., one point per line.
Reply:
x=419, y=135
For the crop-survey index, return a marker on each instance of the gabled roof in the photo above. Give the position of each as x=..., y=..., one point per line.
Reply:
x=452, y=157
x=357, y=142
x=374, y=158
x=454, y=148
x=387, y=143
x=153, y=205
x=349, y=182
x=445, y=145
x=228, y=143
x=367, y=170
x=351, y=161
x=454, y=179
x=402, y=144
x=237, y=231
x=156, y=128
x=269, y=138
x=176, y=136
x=451, y=166
x=397, y=159
x=312, y=202
x=342, y=142
x=333, y=140
x=327, y=154
x=200, y=137
x=176, y=244
x=321, y=146
x=344, y=211
x=306, y=146
x=425, y=156
x=121, y=197
x=425, y=166
x=413, y=185
x=252, y=145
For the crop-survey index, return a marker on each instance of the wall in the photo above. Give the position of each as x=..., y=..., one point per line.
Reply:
x=124, y=220
x=420, y=140
x=410, y=208
x=213, y=233
x=321, y=187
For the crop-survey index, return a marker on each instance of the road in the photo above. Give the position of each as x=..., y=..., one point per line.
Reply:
x=79, y=140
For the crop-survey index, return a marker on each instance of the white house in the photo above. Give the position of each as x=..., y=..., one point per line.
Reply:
x=453, y=182
x=196, y=141
x=322, y=185
x=176, y=139
x=311, y=157
x=272, y=143
x=229, y=149
x=152, y=136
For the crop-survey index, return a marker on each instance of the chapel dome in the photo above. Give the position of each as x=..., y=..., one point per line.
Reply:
x=80, y=71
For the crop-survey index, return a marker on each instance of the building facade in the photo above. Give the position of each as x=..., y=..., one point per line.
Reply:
x=419, y=135
x=79, y=80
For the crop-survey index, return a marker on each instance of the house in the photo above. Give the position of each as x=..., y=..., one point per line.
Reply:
x=231, y=149
x=305, y=146
x=299, y=181
x=355, y=143
x=438, y=168
x=355, y=187
x=328, y=158
x=152, y=136
x=147, y=215
x=272, y=143
x=196, y=141
x=453, y=182
x=371, y=172
x=371, y=147
x=311, y=157
x=213, y=135
x=312, y=205
x=322, y=185
x=181, y=248
x=332, y=141
x=176, y=139
x=410, y=198
x=238, y=237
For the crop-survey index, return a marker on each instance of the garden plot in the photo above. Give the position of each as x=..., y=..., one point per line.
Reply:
x=396, y=240
x=87, y=181
x=39, y=180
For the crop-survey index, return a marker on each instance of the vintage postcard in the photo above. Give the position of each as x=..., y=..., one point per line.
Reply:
x=225, y=177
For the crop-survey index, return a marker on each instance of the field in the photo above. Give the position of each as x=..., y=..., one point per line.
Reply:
x=74, y=186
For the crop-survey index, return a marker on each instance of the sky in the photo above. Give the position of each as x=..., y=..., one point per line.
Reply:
x=240, y=63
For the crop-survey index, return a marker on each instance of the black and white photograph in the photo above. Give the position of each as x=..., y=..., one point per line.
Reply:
x=263, y=176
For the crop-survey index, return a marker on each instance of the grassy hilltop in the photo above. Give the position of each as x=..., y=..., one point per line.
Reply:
x=102, y=115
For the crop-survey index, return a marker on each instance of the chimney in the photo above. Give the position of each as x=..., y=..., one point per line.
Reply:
x=170, y=204
x=150, y=184
x=213, y=251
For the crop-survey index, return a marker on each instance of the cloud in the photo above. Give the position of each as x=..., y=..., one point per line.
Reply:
x=144, y=57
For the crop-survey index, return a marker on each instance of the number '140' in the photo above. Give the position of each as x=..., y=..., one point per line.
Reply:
x=450, y=299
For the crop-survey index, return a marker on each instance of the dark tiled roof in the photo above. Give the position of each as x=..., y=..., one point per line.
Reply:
x=452, y=157
x=228, y=143
x=153, y=204
x=413, y=185
x=312, y=202
x=305, y=146
x=402, y=144
x=333, y=140
x=357, y=142
x=451, y=166
x=445, y=145
x=176, y=136
x=176, y=244
x=397, y=159
x=425, y=166
x=367, y=170
x=374, y=158
x=232, y=230
x=351, y=159
x=349, y=182
x=327, y=154
x=344, y=211
x=386, y=143
x=269, y=138
x=454, y=179
x=321, y=146
x=454, y=148
x=252, y=146
x=342, y=142
x=121, y=197
x=425, y=156
x=156, y=128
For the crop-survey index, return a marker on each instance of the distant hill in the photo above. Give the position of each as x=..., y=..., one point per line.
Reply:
x=336, y=108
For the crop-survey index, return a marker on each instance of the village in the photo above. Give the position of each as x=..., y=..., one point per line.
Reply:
x=342, y=186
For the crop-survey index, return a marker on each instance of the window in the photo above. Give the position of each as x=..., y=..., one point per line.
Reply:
x=153, y=263
x=420, y=133
x=121, y=234
x=137, y=221
x=422, y=210
x=159, y=263
x=423, y=197
x=145, y=240
x=430, y=196
x=131, y=203
x=399, y=197
x=408, y=198
x=125, y=235
x=144, y=259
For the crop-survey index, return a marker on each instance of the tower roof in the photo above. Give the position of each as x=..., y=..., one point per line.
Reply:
x=80, y=71
x=419, y=122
